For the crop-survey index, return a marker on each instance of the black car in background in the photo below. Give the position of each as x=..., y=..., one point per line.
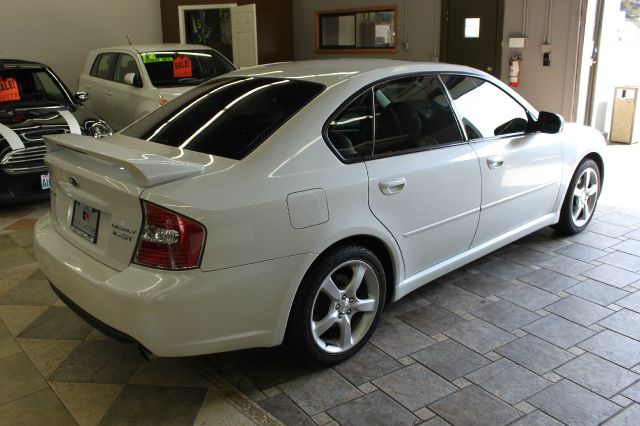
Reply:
x=34, y=102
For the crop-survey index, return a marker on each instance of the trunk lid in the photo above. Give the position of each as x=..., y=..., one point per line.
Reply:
x=96, y=187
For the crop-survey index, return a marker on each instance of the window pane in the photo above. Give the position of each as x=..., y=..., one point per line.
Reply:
x=105, y=65
x=359, y=30
x=30, y=87
x=350, y=132
x=183, y=68
x=125, y=65
x=211, y=27
x=412, y=113
x=472, y=28
x=486, y=110
x=228, y=117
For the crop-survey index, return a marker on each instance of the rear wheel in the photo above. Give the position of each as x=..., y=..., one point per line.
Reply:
x=581, y=199
x=338, y=305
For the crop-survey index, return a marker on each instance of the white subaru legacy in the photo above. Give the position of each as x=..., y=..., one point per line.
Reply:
x=291, y=202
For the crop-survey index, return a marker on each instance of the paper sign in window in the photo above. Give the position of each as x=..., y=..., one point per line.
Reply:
x=9, y=90
x=182, y=67
x=472, y=28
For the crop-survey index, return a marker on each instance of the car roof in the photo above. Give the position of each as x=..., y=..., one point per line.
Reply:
x=10, y=63
x=332, y=71
x=137, y=48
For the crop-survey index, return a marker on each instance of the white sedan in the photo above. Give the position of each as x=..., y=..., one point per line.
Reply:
x=292, y=202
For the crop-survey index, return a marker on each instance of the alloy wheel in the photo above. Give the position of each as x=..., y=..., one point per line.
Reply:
x=585, y=195
x=345, y=306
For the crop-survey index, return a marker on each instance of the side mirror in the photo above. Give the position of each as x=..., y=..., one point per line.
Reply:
x=549, y=122
x=81, y=97
x=132, y=79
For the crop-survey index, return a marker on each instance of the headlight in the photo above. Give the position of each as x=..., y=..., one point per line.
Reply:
x=100, y=129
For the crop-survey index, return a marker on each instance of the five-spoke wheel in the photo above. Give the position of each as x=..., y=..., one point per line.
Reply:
x=338, y=304
x=581, y=199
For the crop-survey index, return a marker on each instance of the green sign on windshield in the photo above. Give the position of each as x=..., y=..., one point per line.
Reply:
x=150, y=57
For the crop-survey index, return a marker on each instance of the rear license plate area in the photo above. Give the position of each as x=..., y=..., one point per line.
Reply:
x=84, y=221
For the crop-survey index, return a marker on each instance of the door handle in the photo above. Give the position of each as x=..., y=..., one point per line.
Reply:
x=392, y=186
x=495, y=162
x=108, y=92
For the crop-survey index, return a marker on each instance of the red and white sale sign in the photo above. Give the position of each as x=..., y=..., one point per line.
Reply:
x=182, y=67
x=9, y=90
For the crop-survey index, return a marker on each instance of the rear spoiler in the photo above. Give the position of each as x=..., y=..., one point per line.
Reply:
x=146, y=169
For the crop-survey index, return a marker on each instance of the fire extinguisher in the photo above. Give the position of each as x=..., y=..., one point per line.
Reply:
x=514, y=71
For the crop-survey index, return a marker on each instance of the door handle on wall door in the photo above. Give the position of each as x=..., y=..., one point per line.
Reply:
x=392, y=186
x=495, y=162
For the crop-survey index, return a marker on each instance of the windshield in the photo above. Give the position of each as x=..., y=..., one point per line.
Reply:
x=184, y=68
x=227, y=117
x=30, y=87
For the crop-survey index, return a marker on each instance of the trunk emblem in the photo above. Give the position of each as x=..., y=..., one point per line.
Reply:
x=73, y=182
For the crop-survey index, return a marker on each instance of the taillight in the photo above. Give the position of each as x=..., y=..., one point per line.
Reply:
x=169, y=240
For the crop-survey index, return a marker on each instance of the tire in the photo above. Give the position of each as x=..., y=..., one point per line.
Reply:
x=329, y=321
x=579, y=205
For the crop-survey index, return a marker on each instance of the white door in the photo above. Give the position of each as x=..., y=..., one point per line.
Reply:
x=521, y=171
x=424, y=180
x=244, y=36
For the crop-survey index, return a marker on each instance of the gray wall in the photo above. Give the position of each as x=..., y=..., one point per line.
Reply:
x=61, y=33
x=547, y=88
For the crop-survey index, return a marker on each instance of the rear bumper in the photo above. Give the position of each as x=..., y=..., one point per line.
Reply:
x=175, y=313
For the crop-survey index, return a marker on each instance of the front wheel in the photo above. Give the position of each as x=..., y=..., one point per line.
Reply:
x=338, y=305
x=581, y=199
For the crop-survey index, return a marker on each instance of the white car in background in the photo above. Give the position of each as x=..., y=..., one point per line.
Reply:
x=125, y=83
x=294, y=201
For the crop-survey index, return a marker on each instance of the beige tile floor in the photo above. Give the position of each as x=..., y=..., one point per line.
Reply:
x=57, y=370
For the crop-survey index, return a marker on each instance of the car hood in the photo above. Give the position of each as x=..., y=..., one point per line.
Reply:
x=30, y=124
x=23, y=118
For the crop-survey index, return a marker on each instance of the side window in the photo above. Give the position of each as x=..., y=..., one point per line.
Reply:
x=350, y=133
x=486, y=110
x=103, y=66
x=124, y=65
x=412, y=113
x=44, y=83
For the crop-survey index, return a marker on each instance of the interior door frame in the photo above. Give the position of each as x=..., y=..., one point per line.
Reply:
x=182, y=8
x=595, y=58
x=444, y=27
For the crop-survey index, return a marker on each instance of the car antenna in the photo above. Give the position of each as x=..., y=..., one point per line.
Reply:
x=129, y=40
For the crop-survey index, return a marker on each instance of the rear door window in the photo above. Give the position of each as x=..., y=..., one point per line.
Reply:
x=351, y=132
x=226, y=117
x=413, y=113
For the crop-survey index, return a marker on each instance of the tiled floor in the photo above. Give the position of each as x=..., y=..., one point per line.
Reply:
x=544, y=331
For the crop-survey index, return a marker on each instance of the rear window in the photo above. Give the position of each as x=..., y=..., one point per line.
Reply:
x=184, y=68
x=226, y=117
